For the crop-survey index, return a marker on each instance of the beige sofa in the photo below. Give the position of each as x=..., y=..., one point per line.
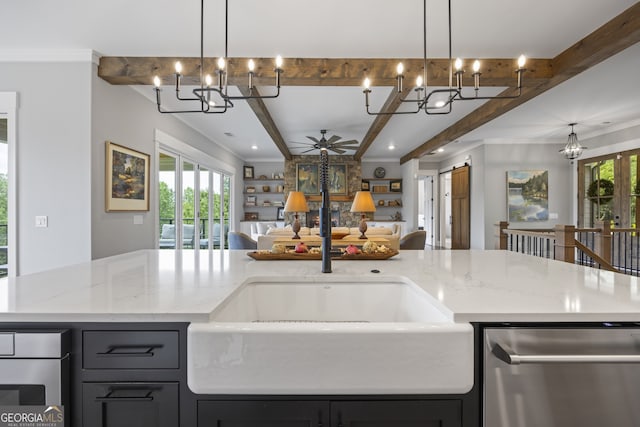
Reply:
x=265, y=241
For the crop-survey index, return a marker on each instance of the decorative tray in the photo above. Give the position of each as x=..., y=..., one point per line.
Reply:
x=268, y=256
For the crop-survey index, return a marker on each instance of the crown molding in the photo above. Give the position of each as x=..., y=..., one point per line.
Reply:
x=49, y=55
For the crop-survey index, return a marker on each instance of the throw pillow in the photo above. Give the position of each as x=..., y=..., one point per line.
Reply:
x=263, y=227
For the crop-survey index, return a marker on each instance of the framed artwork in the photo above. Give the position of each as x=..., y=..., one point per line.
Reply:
x=528, y=196
x=248, y=172
x=280, y=215
x=338, y=179
x=365, y=185
x=127, y=179
x=307, y=179
x=251, y=216
x=395, y=186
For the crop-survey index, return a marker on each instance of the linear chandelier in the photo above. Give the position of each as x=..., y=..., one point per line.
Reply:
x=208, y=92
x=573, y=149
x=441, y=104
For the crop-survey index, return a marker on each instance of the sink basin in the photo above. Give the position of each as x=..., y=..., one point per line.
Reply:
x=363, y=336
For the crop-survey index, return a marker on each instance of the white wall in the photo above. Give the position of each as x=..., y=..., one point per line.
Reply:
x=500, y=158
x=489, y=165
x=53, y=161
x=410, y=195
x=124, y=116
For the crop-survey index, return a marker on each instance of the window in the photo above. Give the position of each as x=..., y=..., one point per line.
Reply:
x=203, y=202
x=608, y=187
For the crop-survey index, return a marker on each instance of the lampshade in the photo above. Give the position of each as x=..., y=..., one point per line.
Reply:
x=296, y=202
x=363, y=202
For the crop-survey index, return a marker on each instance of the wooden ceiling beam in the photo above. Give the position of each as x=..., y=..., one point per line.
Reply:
x=262, y=113
x=315, y=71
x=390, y=106
x=621, y=32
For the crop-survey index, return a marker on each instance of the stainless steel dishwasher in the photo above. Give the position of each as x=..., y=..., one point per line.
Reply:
x=569, y=377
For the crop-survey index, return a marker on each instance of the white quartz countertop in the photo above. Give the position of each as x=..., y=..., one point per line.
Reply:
x=187, y=285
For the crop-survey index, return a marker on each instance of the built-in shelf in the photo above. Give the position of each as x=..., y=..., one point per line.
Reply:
x=263, y=192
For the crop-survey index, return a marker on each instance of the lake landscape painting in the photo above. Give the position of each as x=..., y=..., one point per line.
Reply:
x=528, y=195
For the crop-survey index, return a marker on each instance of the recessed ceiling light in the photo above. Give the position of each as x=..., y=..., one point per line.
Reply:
x=254, y=147
x=440, y=104
x=392, y=147
x=440, y=150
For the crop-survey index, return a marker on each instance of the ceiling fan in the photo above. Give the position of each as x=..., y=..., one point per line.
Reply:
x=331, y=144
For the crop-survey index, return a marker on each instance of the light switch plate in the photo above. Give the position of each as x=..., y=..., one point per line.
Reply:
x=553, y=215
x=42, y=221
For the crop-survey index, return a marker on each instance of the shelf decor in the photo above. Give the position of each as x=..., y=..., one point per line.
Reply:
x=127, y=179
x=251, y=216
x=395, y=186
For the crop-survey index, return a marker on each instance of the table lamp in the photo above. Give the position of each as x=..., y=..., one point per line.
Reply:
x=363, y=202
x=296, y=202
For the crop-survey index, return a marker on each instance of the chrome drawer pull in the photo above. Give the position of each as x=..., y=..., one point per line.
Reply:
x=147, y=351
x=507, y=355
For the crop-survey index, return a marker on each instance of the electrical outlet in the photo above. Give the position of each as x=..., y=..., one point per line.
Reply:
x=42, y=221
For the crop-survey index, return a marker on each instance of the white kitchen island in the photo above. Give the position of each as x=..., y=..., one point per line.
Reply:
x=130, y=316
x=188, y=285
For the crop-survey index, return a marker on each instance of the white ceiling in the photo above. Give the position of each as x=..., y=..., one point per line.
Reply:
x=349, y=28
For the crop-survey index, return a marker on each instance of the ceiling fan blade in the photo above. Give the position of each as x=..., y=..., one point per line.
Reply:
x=313, y=149
x=337, y=150
x=313, y=139
x=301, y=143
x=333, y=139
x=349, y=142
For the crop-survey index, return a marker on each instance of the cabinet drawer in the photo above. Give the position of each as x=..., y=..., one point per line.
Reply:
x=427, y=413
x=130, y=404
x=130, y=350
x=263, y=413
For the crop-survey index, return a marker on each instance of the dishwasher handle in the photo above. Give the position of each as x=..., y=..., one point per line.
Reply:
x=507, y=355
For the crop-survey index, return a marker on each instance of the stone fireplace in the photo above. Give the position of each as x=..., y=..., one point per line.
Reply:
x=340, y=203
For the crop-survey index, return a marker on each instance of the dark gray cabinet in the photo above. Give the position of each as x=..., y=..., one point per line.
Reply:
x=134, y=374
x=419, y=413
x=130, y=404
x=130, y=350
x=263, y=414
x=131, y=377
x=366, y=413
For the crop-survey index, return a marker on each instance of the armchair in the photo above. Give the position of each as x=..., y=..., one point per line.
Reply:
x=414, y=240
x=238, y=240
